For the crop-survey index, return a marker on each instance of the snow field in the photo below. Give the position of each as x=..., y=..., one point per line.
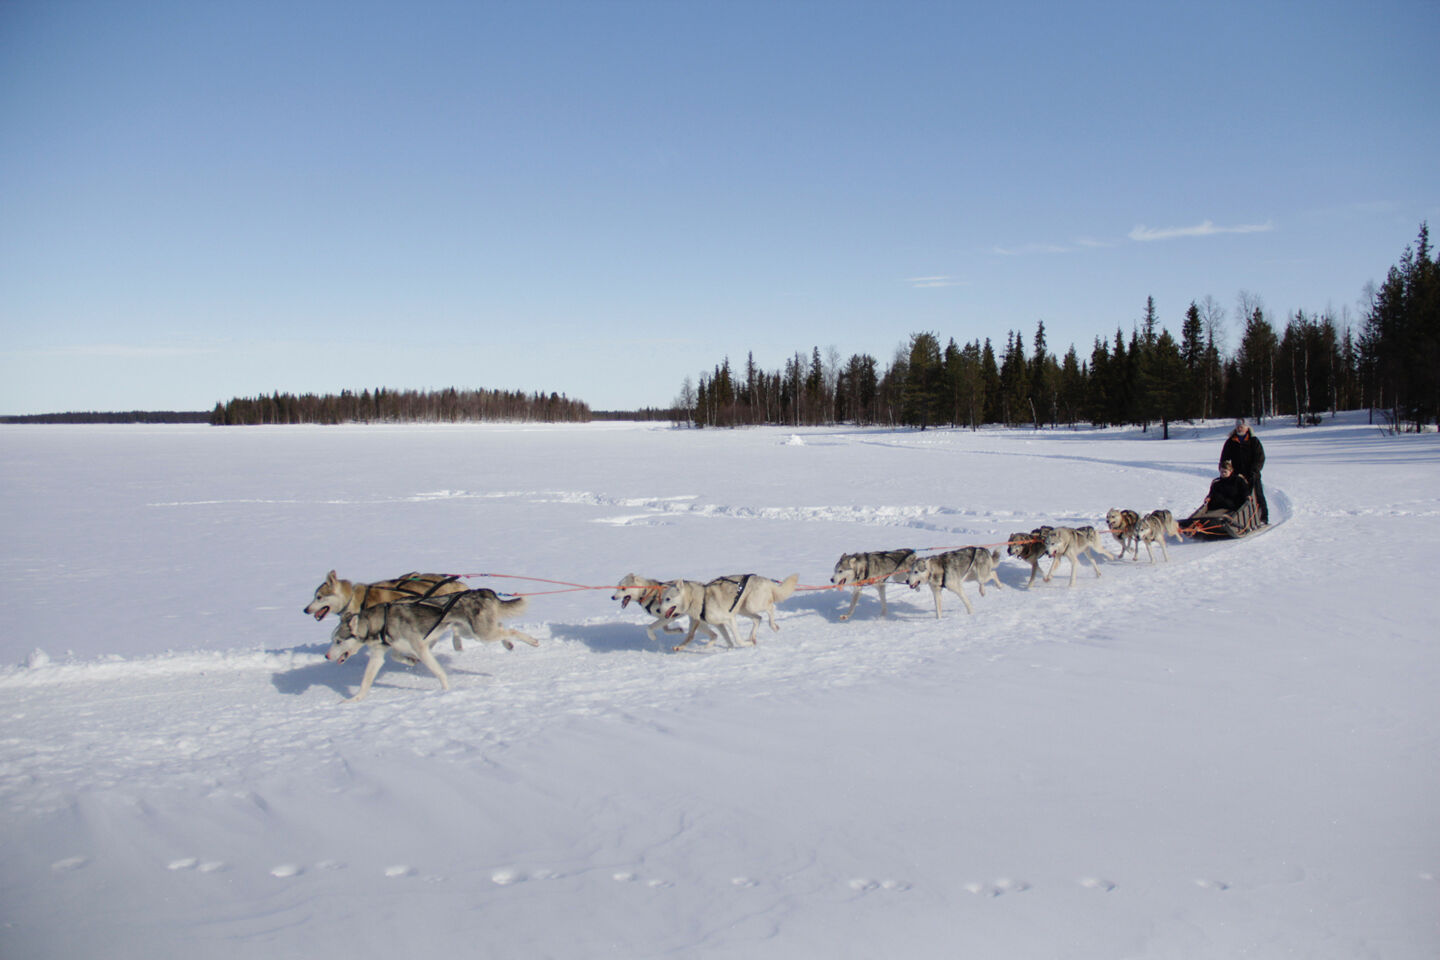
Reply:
x=1227, y=754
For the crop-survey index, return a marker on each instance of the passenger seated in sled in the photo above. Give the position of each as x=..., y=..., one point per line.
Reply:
x=1229, y=491
x=1229, y=509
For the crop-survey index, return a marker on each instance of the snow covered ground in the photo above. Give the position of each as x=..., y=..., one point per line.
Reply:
x=1230, y=754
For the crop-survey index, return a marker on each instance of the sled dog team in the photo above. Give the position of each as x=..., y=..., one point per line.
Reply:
x=405, y=617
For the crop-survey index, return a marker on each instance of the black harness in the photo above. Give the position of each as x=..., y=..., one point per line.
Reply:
x=743, y=582
x=420, y=600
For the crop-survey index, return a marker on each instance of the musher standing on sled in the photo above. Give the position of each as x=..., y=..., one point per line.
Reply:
x=1244, y=450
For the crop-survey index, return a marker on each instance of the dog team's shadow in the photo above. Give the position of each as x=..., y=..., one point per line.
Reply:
x=618, y=637
x=903, y=603
x=828, y=604
x=344, y=678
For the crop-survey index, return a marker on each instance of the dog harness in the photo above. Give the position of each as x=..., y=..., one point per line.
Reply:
x=444, y=609
x=742, y=581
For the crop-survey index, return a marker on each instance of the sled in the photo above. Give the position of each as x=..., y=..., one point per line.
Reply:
x=1223, y=524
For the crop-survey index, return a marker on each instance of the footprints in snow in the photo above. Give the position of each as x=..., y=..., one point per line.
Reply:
x=998, y=888
x=1096, y=884
x=862, y=885
x=193, y=863
x=654, y=883
x=282, y=871
x=509, y=876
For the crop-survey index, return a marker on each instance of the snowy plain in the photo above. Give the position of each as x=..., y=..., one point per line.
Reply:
x=1233, y=753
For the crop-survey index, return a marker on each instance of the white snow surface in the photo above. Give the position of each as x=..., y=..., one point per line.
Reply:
x=1230, y=754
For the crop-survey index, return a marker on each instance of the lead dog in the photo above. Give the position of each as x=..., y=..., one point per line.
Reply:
x=1029, y=547
x=870, y=568
x=951, y=570
x=344, y=597
x=1073, y=542
x=646, y=594
x=1157, y=525
x=407, y=631
x=716, y=604
x=1124, y=526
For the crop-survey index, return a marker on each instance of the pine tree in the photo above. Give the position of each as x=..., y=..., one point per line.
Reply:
x=924, y=381
x=1192, y=353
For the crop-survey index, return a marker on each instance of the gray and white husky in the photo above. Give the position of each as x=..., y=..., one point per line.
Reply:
x=346, y=597
x=1125, y=527
x=645, y=593
x=1157, y=525
x=950, y=571
x=717, y=603
x=1029, y=547
x=1073, y=542
x=408, y=631
x=872, y=569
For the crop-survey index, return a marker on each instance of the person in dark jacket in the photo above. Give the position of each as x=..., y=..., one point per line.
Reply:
x=1247, y=455
x=1227, y=491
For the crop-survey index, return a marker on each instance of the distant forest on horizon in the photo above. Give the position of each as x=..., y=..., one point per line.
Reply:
x=1315, y=364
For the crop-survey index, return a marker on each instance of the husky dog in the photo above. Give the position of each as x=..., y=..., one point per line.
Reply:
x=1172, y=526
x=343, y=597
x=1123, y=524
x=1157, y=525
x=646, y=593
x=407, y=630
x=952, y=569
x=869, y=568
x=715, y=604
x=1073, y=542
x=1029, y=547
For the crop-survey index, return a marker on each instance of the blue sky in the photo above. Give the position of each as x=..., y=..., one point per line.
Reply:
x=207, y=200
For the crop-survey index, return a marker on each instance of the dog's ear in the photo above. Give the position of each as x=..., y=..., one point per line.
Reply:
x=331, y=577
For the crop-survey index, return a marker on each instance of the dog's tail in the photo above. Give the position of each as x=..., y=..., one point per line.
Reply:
x=513, y=607
x=786, y=587
x=994, y=556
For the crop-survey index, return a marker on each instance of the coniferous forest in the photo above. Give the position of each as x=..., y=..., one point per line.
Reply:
x=382, y=405
x=1302, y=367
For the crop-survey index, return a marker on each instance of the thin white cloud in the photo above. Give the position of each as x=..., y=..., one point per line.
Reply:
x=1141, y=234
x=925, y=283
x=1144, y=234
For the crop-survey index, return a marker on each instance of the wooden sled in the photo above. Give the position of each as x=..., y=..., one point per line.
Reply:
x=1223, y=524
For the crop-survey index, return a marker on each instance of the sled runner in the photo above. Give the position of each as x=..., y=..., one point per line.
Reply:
x=1223, y=524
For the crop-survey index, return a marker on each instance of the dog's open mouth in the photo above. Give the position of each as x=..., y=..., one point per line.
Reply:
x=342, y=658
x=670, y=614
x=625, y=601
x=320, y=614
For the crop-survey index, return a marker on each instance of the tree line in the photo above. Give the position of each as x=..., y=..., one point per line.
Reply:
x=382, y=405
x=1400, y=341
x=1314, y=363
